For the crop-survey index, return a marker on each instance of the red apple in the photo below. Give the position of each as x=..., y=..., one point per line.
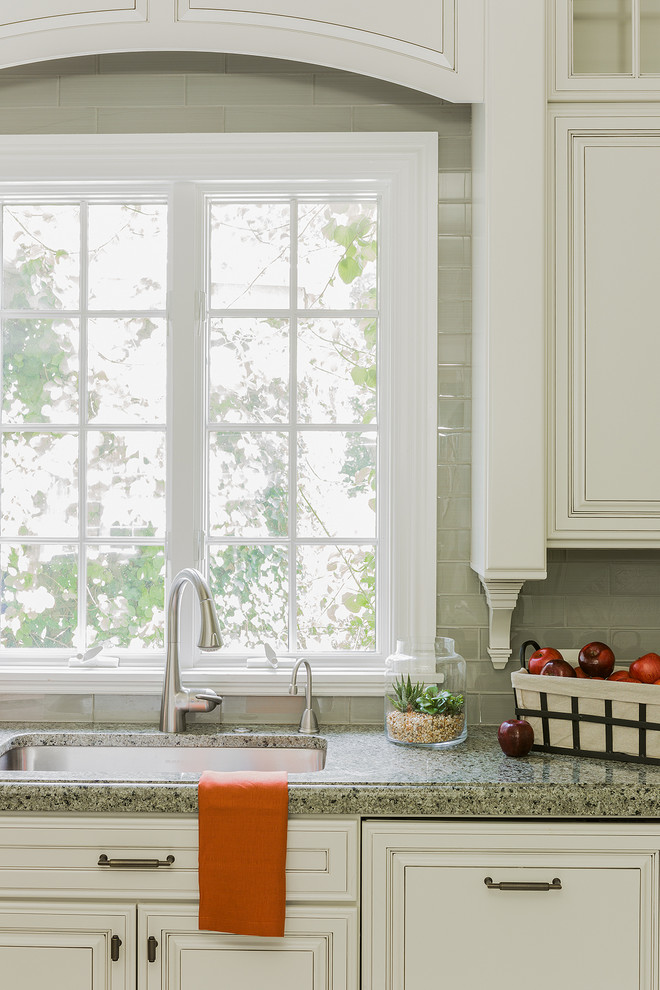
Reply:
x=539, y=658
x=646, y=668
x=579, y=672
x=597, y=660
x=558, y=668
x=516, y=737
x=624, y=677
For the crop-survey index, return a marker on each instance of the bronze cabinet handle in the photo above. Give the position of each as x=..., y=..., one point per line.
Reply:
x=115, y=943
x=522, y=885
x=152, y=945
x=134, y=864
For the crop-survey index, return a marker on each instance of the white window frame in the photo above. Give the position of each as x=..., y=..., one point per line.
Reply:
x=401, y=169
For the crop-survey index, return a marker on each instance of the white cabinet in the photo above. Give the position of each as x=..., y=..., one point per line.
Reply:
x=67, y=945
x=605, y=351
x=68, y=922
x=582, y=914
x=318, y=952
x=437, y=48
x=604, y=49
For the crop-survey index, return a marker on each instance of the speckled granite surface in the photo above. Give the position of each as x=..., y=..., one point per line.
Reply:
x=364, y=774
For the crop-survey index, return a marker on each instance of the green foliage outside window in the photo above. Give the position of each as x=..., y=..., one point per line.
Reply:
x=124, y=595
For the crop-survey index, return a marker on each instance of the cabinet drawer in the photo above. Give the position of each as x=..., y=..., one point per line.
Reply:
x=38, y=853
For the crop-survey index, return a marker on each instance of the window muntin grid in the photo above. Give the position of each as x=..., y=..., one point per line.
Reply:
x=291, y=440
x=82, y=527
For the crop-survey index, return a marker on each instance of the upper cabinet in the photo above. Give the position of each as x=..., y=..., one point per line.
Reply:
x=605, y=49
x=605, y=353
x=436, y=48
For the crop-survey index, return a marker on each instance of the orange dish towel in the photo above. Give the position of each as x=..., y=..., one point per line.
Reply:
x=242, y=852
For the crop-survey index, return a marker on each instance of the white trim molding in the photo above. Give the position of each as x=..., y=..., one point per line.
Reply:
x=401, y=169
x=231, y=680
x=508, y=383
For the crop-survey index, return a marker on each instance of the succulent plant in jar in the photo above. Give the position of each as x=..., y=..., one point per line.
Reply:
x=430, y=709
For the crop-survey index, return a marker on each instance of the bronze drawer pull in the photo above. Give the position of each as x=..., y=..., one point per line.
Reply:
x=135, y=864
x=520, y=885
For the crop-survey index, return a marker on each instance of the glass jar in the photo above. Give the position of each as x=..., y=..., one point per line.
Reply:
x=425, y=696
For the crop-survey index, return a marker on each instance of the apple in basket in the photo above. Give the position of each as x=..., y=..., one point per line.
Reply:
x=539, y=658
x=646, y=668
x=623, y=675
x=558, y=668
x=516, y=737
x=597, y=660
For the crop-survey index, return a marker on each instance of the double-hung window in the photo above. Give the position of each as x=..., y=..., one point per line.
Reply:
x=220, y=352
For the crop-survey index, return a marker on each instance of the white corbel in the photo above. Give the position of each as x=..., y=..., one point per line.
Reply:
x=502, y=596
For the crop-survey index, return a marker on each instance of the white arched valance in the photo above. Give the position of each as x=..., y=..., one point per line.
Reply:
x=436, y=47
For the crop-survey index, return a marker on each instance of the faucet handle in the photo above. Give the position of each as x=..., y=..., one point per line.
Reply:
x=211, y=699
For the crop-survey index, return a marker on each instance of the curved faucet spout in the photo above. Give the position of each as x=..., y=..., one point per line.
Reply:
x=176, y=701
x=309, y=725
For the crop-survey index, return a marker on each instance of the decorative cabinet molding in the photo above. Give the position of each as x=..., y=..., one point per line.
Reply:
x=436, y=48
x=501, y=597
x=607, y=50
x=508, y=315
x=604, y=398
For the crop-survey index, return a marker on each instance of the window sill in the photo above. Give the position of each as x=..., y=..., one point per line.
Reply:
x=42, y=679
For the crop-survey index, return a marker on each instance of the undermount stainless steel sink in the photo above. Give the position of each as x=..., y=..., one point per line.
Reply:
x=132, y=761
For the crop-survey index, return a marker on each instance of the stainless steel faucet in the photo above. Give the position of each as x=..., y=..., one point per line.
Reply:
x=308, y=723
x=177, y=701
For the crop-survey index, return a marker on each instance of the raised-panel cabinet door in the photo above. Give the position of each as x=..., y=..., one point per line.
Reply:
x=605, y=430
x=34, y=10
x=318, y=952
x=431, y=26
x=64, y=946
x=541, y=933
x=441, y=42
x=477, y=905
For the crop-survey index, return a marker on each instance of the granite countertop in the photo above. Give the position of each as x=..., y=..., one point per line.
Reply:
x=364, y=775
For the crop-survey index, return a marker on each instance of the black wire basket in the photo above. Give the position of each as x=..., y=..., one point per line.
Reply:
x=602, y=720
